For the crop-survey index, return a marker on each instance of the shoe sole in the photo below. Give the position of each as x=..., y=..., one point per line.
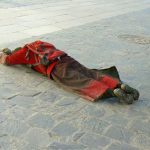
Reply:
x=130, y=90
x=123, y=97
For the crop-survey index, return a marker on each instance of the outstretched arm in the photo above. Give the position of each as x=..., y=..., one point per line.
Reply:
x=17, y=57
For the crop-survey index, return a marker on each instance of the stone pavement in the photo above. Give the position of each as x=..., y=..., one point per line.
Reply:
x=36, y=114
x=25, y=18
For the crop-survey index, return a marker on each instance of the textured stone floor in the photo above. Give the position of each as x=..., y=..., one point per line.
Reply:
x=25, y=18
x=36, y=114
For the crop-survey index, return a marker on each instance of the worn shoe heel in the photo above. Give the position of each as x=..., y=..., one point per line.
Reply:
x=130, y=90
x=123, y=97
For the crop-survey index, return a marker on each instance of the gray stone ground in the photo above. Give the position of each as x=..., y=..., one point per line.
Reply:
x=36, y=114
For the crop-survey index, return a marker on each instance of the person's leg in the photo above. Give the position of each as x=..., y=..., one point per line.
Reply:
x=89, y=83
x=75, y=77
x=72, y=75
x=111, y=71
x=123, y=92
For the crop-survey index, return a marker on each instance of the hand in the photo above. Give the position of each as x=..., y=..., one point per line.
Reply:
x=3, y=58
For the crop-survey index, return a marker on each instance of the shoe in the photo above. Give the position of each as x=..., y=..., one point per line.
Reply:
x=130, y=90
x=123, y=97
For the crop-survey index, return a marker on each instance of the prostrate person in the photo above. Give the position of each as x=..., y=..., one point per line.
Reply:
x=92, y=84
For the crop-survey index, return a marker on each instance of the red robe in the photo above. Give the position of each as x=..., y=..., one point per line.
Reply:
x=91, y=84
x=19, y=57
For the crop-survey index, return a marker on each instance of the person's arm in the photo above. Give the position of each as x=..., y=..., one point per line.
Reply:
x=17, y=57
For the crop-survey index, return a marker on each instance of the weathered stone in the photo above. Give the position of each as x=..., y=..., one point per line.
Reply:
x=120, y=134
x=78, y=135
x=7, y=92
x=94, y=141
x=37, y=137
x=5, y=142
x=23, y=101
x=94, y=111
x=135, y=39
x=30, y=146
x=3, y=106
x=42, y=121
x=64, y=129
x=143, y=141
x=117, y=119
x=30, y=93
x=50, y=97
x=20, y=113
x=69, y=146
x=94, y=125
x=66, y=102
x=141, y=126
x=2, y=118
x=14, y=127
x=122, y=146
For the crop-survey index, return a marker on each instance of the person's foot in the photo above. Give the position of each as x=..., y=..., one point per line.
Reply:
x=130, y=90
x=123, y=97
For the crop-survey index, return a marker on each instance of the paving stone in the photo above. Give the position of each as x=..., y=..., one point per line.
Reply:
x=93, y=111
x=42, y=121
x=69, y=146
x=37, y=137
x=30, y=146
x=94, y=141
x=122, y=146
x=3, y=106
x=66, y=101
x=5, y=142
x=133, y=113
x=64, y=129
x=23, y=101
x=117, y=119
x=143, y=141
x=7, y=92
x=2, y=118
x=141, y=126
x=78, y=135
x=71, y=113
x=95, y=125
x=50, y=97
x=30, y=93
x=20, y=113
x=14, y=127
x=120, y=134
x=2, y=131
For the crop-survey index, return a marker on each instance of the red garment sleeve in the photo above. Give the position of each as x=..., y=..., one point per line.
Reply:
x=18, y=57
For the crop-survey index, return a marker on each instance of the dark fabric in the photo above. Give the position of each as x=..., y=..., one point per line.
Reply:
x=92, y=84
x=111, y=71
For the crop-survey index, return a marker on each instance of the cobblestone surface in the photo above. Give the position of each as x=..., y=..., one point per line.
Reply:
x=36, y=114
